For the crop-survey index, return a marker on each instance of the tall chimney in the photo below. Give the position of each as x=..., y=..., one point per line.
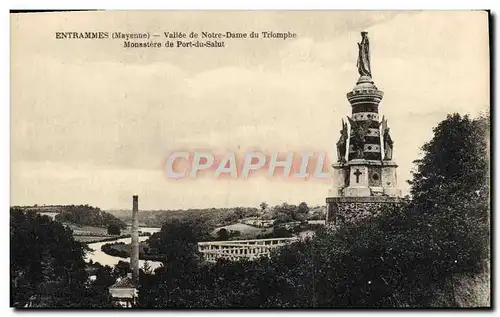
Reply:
x=134, y=259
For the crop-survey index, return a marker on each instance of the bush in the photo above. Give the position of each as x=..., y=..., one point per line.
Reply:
x=114, y=229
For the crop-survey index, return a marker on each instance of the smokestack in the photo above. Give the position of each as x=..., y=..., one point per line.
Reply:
x=134, y=258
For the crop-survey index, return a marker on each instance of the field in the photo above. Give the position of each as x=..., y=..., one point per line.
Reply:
x=89, y=234
x=247, y=231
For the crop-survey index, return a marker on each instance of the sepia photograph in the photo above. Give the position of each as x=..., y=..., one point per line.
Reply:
x=250, y=159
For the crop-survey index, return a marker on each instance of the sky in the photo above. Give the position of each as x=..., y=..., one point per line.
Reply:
x=92, y=122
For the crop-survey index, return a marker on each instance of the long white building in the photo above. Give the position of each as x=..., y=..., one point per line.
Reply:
x=240, y=249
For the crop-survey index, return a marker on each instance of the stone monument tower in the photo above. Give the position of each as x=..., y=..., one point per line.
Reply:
x=364, y=178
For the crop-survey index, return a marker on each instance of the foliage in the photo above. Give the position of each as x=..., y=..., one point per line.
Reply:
x=317, y=215
x=47, y=266
x=123, y=250
x=278, y=232
x=213, y=217
x=122, y=269
x=177, y=240
x=114, y=229
x=222, y=235
x=85, y=215
x=263, y=206
x=303, y=208
x=287, y=212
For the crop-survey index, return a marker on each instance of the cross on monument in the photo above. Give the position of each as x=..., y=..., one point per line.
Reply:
x=357, y=173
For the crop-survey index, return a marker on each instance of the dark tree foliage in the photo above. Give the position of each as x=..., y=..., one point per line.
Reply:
x=114, y=229
x=278, y=232
x=47, y=266
x=406, y=257
x=303, y=208
x=122, y=269
x=222, y=235
x=455, y=162
x=263, y=206
x=88, y=216
x=177, y=240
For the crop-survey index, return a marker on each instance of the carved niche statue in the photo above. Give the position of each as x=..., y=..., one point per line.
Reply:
x=342, y=143
x=388, y=145
x=363, y=64
x=387, y=140
x=358, y=133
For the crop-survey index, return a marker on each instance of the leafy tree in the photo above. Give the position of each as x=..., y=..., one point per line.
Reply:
x=303, y=208
x=317, y=215
x=147, y=268
x=87, y=215
x=122, y=269
x=263, y=206
x=222, y=235
x=282, y=217
x=47, y=265
x=114, y=229
x=457, y=155
x=240, y=212
x=177, y=240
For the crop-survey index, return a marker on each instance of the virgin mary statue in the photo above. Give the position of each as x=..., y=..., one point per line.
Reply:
x=364, y=56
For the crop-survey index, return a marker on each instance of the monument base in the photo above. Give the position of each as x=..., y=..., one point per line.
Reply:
x=357, y=192
x=353, y=209
x=335, y=192
x=392, y=192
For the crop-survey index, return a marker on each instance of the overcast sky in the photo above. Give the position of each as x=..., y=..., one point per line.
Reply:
x=92, y=122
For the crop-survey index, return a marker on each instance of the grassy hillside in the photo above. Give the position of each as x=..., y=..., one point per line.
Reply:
x=81, y=215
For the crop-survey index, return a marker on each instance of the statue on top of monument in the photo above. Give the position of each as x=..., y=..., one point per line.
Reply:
x=364, y=56
x=387, y=140
x=342, y=143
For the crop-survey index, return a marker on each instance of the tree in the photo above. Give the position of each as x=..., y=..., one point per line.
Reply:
x=281, y=232
x=263, y=206
x=47, y=264
x=87, y=215
x=104, y=277
x=122, y=269
x=303, y=208
x=114, y=229
x=240, y=212
x=177, y=240
x=222, y=235
x=450, y=192
x=457, y=156
x=147, y=268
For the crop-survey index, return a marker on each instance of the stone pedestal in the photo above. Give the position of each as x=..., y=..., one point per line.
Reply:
x=339, y=180
x=389, y=179
x=353, y=209
x=359, y=178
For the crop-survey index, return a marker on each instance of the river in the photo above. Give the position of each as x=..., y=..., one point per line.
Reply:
x=105, y=259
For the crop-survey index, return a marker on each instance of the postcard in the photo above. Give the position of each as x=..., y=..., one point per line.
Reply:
x=250, y=159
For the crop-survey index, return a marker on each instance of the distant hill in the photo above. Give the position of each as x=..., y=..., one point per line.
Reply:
x=214, y=217
x=81, y=215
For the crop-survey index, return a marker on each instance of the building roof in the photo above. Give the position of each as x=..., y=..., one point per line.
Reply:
x=124, y=283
